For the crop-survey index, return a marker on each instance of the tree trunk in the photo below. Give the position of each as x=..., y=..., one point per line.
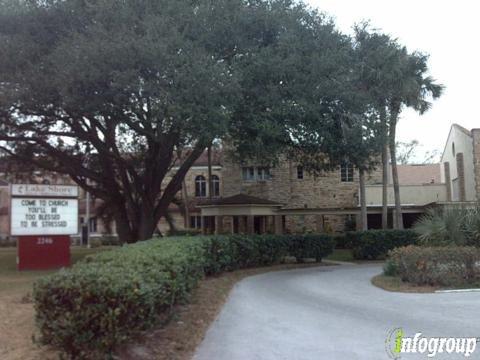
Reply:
x=383, y=119
x=171, y=222
x=147, y=225
x=124, y=230
x=385, y=187
x=396, y=186
x=363, y=200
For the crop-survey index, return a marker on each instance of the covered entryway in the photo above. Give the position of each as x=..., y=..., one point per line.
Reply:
x=241, y=214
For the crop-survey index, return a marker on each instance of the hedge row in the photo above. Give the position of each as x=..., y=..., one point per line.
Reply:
x=437, y=266
x=98, y=303
x=375, y=244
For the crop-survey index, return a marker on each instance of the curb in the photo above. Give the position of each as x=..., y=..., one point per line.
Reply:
x=457, y=291
x=335, y=262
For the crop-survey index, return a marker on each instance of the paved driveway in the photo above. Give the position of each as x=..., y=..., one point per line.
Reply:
x=331, y=313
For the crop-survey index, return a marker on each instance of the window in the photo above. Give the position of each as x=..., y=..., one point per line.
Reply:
x=299, y=172
x=248, y=173
x=200, y=186
x=346, y=172
x=215, y=186
x=263, y=173
x=195, y=222
x=93, y=225
x=252, y=173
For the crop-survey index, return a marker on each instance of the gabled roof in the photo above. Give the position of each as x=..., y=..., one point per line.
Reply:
x=241, y=199
x=462, y=129
x=455, y=127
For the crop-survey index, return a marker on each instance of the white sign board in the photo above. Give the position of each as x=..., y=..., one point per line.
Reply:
x=46, y=216
x=44, y=190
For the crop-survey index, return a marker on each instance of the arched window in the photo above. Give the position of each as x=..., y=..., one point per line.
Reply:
x=200, y=186
x=215, y=185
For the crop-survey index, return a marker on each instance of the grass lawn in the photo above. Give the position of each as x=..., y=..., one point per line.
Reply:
x=341, y=255
x=16, y=307
x=14, y=281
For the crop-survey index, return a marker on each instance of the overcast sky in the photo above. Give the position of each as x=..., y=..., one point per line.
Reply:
x=447, y=30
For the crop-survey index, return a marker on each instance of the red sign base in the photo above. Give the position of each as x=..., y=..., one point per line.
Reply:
x=43, y=252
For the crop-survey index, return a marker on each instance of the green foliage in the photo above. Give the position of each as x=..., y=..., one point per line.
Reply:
x=99, y=240
x=98, y=303
x=102, y=300
x=450, y=225
x=233, y=252
x=437, y=266
x=346, y=240
x=189, y=232
x=123, y=87
x=390, y=268
x=310, y=246
x=375, y=244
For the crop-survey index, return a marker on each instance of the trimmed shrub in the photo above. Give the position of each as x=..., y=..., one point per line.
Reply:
x=310, y=246
x=109, y=296
x=437, y=266
x=110, y=240
x=231, y=252
x=345, y=240
x=190, y=232
x=98, y=303
x=375, y=244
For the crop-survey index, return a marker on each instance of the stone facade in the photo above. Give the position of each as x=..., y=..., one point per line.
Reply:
x=311, y=192
x=323, y=191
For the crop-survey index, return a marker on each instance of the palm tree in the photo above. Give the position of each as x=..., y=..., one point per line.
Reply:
x=375, y=54
x=411, y=87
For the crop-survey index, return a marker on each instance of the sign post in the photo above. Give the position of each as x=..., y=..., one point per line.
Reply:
x=43, y=217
